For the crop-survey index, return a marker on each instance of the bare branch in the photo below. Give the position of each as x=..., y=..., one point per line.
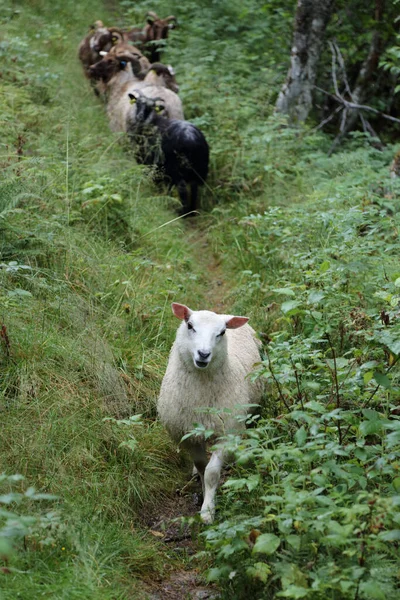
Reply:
x=334, y=78
x=354, y=105
x=343, y=68
x=325, y=121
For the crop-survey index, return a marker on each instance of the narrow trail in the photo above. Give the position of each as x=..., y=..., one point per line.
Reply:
x=217, y=289
x=182, y=584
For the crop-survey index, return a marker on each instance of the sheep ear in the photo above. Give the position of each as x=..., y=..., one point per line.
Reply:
x=235, y=322
x=181, y=311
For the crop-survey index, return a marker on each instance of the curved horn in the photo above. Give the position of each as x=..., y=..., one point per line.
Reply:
x=171, y=18
x=152, y=14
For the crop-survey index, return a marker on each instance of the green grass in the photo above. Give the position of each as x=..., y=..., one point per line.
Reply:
x=92, y=257
x=89, y=274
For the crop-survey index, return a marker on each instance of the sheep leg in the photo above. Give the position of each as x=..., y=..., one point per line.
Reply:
x=199, y=456
x=211, y=480
x=183, y=195
x=193, y=196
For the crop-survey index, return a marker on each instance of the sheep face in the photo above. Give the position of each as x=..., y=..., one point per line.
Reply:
x=110, y=65
x=100, y=35
x=157, y=29
x=202, y=339
x=104, y=39
x=147, y=109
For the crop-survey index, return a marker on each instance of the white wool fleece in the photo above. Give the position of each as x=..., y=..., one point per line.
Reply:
x=208, y=367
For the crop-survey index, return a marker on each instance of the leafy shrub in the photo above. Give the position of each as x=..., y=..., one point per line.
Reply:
x=325, y=514
x=14, y=526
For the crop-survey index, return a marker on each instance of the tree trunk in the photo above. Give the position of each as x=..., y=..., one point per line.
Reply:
x=312, y=18
x=366, y=74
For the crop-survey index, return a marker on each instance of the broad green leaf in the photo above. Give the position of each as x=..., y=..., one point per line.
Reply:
x=340, y=362
x=290, y=305
x=368, y=376
x=284, y=291
x=382, y=379
x=315, y=297
x=266, y=543
x=390, y=536
x=317, y=406
x=370, y=427
x=372, y=589
x=294, y=541
x=293, y=591
x=5, y=548
x=260, y=571
x=216, y=574
x=301, y=436
x=324, y=266
x=20, y=293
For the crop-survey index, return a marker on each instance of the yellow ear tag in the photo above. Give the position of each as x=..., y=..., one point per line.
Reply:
x=114, y=40
x=158, y=109
x=133, y=100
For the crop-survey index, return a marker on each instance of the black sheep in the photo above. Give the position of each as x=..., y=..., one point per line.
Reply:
x=177, y=149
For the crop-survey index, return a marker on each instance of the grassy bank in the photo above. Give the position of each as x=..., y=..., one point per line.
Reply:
x=91, y=258
x=86, y=282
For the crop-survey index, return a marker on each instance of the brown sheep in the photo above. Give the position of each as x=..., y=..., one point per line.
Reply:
x=154, y=31
x=125, y=69
x=99, y=39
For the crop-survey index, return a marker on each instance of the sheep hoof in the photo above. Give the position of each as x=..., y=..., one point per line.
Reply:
x=207, y=516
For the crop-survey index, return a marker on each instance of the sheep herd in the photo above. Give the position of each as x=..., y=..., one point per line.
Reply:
x=213, y=354
x=123, y=67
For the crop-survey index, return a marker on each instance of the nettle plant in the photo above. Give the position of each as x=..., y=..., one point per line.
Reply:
x=309, y=516
x=312, y=510
x=19, y=520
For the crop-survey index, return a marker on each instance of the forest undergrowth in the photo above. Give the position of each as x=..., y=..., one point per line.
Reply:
x=92, y=255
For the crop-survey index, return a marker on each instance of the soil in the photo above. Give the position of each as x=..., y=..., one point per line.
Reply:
x=188, y=584
x=180, y=584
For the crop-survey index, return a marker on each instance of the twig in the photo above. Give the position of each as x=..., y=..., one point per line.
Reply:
x=334, y=78
x=325, y=121
x=299, y=394
x=177, y=538
x=374, y=392
x=6, y=339
x=278, y=385
x=354, y=105
x=343, y=68
x=335, y=379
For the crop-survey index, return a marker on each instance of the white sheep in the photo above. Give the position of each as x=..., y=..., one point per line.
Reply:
x=207, y=368
x=123, y=70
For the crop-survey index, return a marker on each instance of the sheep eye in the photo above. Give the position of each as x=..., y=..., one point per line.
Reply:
x=221, y=334
x=190, y=326
x=123, y=63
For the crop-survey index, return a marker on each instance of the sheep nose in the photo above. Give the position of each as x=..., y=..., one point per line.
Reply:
x=204, y=355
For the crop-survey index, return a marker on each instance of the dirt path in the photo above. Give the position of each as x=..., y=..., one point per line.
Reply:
x=184, y=584
x=216, y=289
